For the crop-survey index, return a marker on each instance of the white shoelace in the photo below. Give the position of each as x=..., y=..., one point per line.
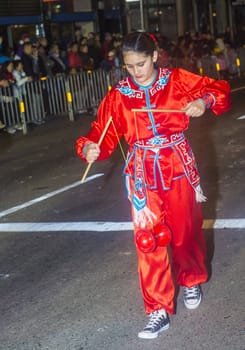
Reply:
x=155, y=317
x=192, y=292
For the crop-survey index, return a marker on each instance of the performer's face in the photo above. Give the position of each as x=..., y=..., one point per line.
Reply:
x=140, y=66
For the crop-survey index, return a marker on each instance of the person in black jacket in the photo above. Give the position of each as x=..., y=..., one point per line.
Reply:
x=32, y=62
x=33, y=67
x=58, y=66
x=27, y=60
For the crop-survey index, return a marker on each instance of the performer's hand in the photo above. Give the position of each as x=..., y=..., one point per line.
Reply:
x=143, y=217
x=91, y=152
x=199, y=195
x=195, y=108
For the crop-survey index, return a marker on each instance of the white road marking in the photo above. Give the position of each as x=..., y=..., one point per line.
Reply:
x=224, y=223
x=46, y=196
x=65, y=226
x=241, y=117
x=89, y=226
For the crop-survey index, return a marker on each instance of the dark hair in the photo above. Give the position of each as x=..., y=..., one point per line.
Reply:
x=138, y=42
x=4, y=66
x=16, y=63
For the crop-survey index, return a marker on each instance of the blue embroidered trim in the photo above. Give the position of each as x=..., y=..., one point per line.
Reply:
x=125, y=90
x=139, y=203
x=124, y=87
x=164, y=80
x=161, y=82
x=209, y=100
x=148, y=103
x=157, y=141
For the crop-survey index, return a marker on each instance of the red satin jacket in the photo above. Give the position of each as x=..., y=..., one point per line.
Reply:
x=171, y=89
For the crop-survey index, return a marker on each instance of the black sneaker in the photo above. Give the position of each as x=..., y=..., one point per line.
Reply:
x=192, y=297
x=159, y=322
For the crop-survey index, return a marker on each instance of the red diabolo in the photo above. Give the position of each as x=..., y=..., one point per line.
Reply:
x=145, y=241
x=163, y=235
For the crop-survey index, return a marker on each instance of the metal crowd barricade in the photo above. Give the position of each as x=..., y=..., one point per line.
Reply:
x=241, y=61
x=34, y=102
x=87, y=89
x=54, y=96
x=207, y=66
x=9, y=107
x=22, y=106
x=225, y=66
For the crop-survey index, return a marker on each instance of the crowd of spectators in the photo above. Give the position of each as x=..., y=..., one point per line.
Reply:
x=34, y=58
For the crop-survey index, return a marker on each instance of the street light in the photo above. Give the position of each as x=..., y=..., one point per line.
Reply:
x=141, y=13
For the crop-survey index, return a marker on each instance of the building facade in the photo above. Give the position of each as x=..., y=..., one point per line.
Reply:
x=172, y=18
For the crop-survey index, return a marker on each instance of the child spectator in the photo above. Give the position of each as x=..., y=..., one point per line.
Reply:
x=20, y=78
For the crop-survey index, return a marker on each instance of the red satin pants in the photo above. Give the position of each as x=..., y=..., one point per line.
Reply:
x=183, y=261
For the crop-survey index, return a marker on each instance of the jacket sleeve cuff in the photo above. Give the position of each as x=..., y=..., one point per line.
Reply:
x=209, y=100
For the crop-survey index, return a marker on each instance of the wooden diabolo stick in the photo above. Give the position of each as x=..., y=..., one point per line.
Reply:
x=99, y=143
x=157, y=110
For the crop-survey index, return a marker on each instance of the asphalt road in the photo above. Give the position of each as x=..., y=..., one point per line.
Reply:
x=66, y=286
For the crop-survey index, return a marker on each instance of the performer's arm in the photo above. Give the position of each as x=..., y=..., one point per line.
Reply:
x=87, y=146
x=213, y=94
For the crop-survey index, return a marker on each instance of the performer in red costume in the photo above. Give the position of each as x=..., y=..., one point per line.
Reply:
x=151, y=108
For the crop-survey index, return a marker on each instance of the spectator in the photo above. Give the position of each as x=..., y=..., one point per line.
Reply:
x=6, y=74
x=58, y=66
x=106, y=45
x=110, y=62
x=227, y=35
x=221, y=57
x=220, y=44
x=163, y=57
x=43, y=42
x=20, y=78
x=74, y=59
x=117, y=45
x=27, y=60
x=3, y=57
x=25, y=38
x=94, y=50
x=83, y=41
x=86, y=60
x=1, y=44
x=97, y=40
x=38, y=63
x=44, y=60
x=78, y=33
x=33, y=67
x=20, y=81
x=3, y=84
